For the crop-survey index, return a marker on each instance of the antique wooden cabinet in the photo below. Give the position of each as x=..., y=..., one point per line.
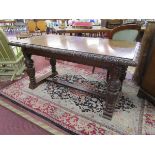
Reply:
x=146, y=66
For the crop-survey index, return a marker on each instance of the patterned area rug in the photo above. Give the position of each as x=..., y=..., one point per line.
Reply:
x=81, y=113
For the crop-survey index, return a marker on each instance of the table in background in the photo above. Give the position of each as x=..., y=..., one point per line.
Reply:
x=98, y=30
x=7, y=22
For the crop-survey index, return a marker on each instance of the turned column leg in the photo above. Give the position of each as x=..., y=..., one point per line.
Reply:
x=30, y=70
x=123, y=73
x=53, y=66
x=93, y=69
x=113, y=89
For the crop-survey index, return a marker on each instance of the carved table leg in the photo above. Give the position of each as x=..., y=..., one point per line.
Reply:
x=30, y=70
x=113, y=90
x=123, y=74
x=53, y=66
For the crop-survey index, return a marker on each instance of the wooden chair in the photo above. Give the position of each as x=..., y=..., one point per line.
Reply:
x=124, y=32
x=42, y=26
x=11, y=58
x=31, y=25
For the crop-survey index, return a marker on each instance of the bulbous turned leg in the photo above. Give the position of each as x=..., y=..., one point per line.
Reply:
x=123, y=74
x=30, y=70
x=53, y=66
x=113, y=90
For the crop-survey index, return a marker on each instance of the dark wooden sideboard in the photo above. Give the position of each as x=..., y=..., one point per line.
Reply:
x=147, y=65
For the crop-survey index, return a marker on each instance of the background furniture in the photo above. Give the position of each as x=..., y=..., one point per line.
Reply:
x=42, y=26
x=112, y=23
x=23, y=35
x=145, y=72
x=123, y=32
x=84, y=25
x=8, y=25
x=11, y=59
x=96, y=31
x=31, y=25
x=20, y=26
x=127, y=32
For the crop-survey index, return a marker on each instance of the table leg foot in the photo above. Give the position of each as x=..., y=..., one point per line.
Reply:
x=107, y=115
x=54, y=74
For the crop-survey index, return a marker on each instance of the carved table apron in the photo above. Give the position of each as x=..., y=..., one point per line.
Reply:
x=116, y=65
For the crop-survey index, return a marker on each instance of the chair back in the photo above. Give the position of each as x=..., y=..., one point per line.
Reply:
x=42, y=26
x=125, y=32
x=31, y=25
x=6, y=52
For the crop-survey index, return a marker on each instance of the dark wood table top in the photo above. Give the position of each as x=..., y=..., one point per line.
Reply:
x=97, y=46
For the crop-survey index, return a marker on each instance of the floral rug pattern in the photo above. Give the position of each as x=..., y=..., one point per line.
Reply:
x=80, y=112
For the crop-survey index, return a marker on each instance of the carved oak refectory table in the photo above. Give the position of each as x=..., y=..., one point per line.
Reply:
x=115, y=56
